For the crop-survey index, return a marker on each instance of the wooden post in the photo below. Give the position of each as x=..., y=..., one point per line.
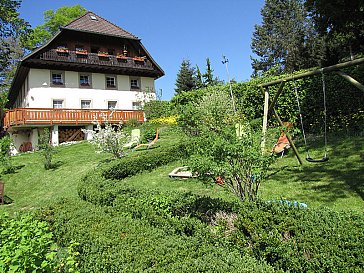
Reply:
x=273, y=103
x=351, y=80
x=265, y=116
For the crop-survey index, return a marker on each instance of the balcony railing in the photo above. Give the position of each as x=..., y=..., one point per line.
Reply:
x=69, y=56
x=42, y=116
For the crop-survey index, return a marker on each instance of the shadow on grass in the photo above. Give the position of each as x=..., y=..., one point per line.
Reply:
x=333, y=180
x=7, y=200
x=56, y=165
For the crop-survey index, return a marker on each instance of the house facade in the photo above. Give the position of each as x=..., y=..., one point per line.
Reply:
x=91, y=69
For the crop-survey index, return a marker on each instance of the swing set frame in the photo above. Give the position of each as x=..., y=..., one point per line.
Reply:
x=269, y=105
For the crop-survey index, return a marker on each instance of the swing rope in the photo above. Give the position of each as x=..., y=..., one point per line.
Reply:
x=308, y=157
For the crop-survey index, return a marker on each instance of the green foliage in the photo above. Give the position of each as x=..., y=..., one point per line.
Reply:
x=5, y=158
x=109, y=139
x=208, y=76
x=53, y=20
x=26, y=245
x=341, y=25
x=302, y=240
x=185, y=78
x=132, y=165
x=224, y=145
x=140, y=234
x=46, y=148
x=131, y=123
x=148, y=134
x=157, y=109
x=285, y=38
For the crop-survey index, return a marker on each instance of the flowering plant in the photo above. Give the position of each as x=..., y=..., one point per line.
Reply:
x=109, y=139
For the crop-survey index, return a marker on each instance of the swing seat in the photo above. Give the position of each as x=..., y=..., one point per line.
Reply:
x=324, y=159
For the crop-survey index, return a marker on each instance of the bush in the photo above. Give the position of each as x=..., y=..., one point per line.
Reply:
x=157, y=109
x=100, y=186
x=224, y=145
x=46, y=148
x=302, y=240
x=109, y=139
x=26, y=245
x=5, y=159
x=111, y=239
x=132, y=165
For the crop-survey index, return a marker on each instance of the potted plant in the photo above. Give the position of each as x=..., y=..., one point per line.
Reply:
x=103, y=54
x=62, y=49
x=139, y=59
x=81, y=51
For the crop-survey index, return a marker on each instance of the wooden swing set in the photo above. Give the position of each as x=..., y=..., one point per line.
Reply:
x=269, y=105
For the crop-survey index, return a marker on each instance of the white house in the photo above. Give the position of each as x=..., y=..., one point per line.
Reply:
x=89, y=69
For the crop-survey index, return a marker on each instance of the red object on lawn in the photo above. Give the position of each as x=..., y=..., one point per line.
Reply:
x=281, y=145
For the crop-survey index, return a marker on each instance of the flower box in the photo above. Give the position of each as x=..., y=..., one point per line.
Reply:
x=102, y=54
x=81, y=52
x=138, y=59
x=62, y=50
x=122, y=57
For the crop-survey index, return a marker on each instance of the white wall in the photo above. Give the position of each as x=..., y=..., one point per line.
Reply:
x=41, y=94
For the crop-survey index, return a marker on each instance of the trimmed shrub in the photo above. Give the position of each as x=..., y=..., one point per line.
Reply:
x=302, y=240
x=143, y=162
x=111, y=240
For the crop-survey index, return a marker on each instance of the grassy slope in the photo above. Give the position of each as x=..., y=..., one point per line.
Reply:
x=32, y=186
x=337, y=184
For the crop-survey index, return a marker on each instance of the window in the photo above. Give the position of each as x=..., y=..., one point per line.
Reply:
x=137, y=105
x=57, y=103
x=85, y=80
x=111, y=104
x=111, y=82
x=57, y=78
x=134, y=84
x=85, y=104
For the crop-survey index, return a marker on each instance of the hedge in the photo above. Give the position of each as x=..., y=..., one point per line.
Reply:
x=113, y=241
x=345, y=109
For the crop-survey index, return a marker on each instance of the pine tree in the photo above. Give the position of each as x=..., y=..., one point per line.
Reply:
x=186, y=79
x=208, y=77
x=199, y=79
x=285, y=39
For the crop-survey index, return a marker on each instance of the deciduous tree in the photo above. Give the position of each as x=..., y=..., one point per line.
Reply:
x=53, y=20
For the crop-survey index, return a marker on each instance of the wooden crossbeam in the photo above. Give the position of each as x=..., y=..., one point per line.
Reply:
x=351, y=80
x=315, y=72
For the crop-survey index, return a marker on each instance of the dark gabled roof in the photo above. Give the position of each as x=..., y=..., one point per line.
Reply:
x=90, y=22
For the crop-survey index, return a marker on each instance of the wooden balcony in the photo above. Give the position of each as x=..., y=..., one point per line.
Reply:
x=42, y=116
x=68, y=56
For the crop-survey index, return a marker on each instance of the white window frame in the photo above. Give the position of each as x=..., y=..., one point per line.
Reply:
x=89, y=85
x=134, y=86
x=112, y=101
x=89, y=103
x=136, y=105
x=62, y=81
x=58, y=106
x=115, y=82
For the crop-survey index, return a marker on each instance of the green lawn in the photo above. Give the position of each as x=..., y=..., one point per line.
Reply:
x=337, y=184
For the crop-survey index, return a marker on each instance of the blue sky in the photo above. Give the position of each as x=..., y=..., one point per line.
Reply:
x=173, y=30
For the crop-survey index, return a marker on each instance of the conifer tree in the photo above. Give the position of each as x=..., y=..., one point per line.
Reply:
x=186, y=79
x=285, y=39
